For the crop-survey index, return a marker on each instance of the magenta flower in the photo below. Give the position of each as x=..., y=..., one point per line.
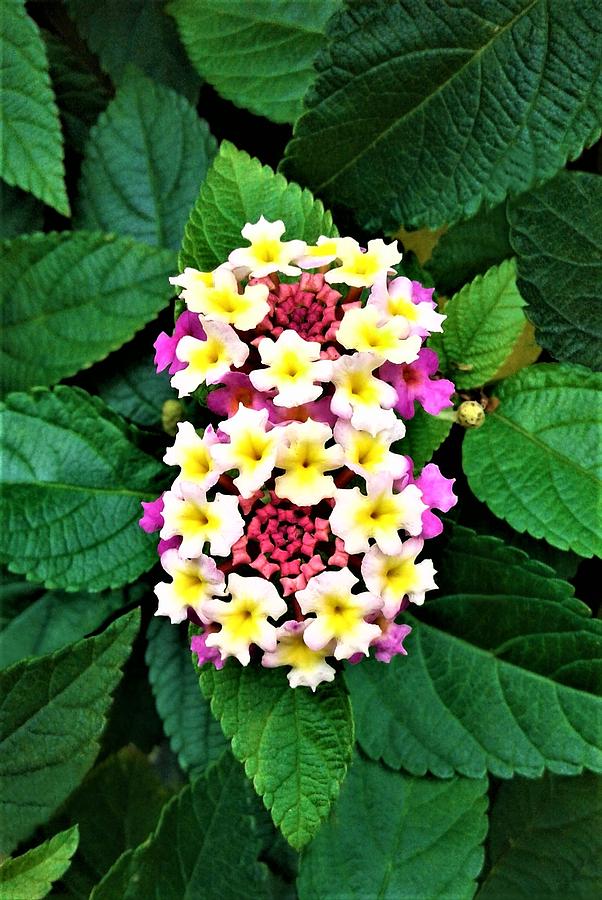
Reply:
x=152, y=520
x=237, y=388
x=437, y=493
x=414, y=381
x=165, y=345
x=390, y=643
x=206, y=654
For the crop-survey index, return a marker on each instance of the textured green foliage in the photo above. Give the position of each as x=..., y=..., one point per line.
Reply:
x=424, y=110
x=398, y=838
x=73, y=482
x=556, y=232
x=295, y=744
x=470, y=248
x=205, y=845
x=98, y=290
x=424, y=434
x=31, y=875
x=258, y=54
x=52, y=714
x=238, y=189
x=31, y=149
x=545, y=840
x=535, y=462
x=195, y=737
x=80, y=94
x=484, y=322
x=54, y=620
x=144, y=162
x=138, y=33
x=130, y=385
x=19, y=212
x=116, y=807
x=481, y=685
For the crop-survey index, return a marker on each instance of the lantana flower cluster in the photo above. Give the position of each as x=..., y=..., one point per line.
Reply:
x=293, y=529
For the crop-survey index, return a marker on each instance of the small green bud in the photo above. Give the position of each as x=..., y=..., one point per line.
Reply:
x=470, y=414
x=171, y=413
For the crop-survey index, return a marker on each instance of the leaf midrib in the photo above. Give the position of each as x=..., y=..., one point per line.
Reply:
x=367, y=148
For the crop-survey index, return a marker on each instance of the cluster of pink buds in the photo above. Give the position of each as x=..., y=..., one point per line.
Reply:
x=292, y=530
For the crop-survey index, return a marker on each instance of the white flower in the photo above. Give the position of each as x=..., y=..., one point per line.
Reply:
x=193, y=454
x=305, y=458
x=244, y=619
x=395, y=577
x=362, y=328
x=194, y=581
x=360, y=397
x=323, y=253
x=370, y=455
x=340, y=615
x=252, y=449
x=267, y=252
x=208, y=360
x=293, y=367
x=360, y=269
x=394, y=300
x=188, y=512
x=221, y=301
x=308, y=667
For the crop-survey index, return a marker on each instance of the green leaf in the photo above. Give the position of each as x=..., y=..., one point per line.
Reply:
x=447, y=112
x=117, y=806
x=205, y=845
x=80, y=94
x=73, y=482
x=556, y=233
x=424, y=434
x=31, y=147
x=393, y=836
x=143, y=164
x=484, y=322
x=469, y=249
x=295, y=745
x=31, y=875
x=195, y=737
x=238, y=189
x=54, y=620
x=19, y=212
x=535, y=460
x=98, y=291
x=542, y=841
x=130, y=385
x=53, y=713
x=137, y=33
x=481, y=688
x=258, y=54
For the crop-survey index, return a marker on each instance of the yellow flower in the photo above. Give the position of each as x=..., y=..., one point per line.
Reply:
x=267, y=252
x=252, y=449
x=187, y=512
x=379, y=515
x=305, y=458
x=308, y=667
x=193, y=454
x=244, y=619
x=363, y=329
x=222, y=301
x=323, y=253
x=340, y=615
x=192, y=281
x=369, y=454
x=208, y=360
x=359, y=269
x=360, y=397
x=396, y=577
x=194, y=581
x=293, y=367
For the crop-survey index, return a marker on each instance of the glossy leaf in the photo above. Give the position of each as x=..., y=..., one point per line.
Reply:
x=73, y=482
x=52, y=715
x=31, y=146
x=484, y=322
x=556, y=233
x=535, y=461
x=398, y=838
x=195, y=737
x=295, y=744
x=205, y=845
x=545, y=840
x=424, y=435
x=482, y=686
x=423, y=111
x=143, y=165
x=98, y=291
x=32, y=874
x=258, y=54
x=238, y=189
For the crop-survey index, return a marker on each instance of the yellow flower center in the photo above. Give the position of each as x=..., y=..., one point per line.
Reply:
x=188, y=587
x=400, y=575
x=196, y=463
x=361, y=387
x=242, y=620
x=364, y=264
x=368, y=452
x=209, y=353
x=252, y=446
x=340, y=613
x=290, y=366
x=295, y=652
x=401, y=306
x=267, y=250
x=378, y=512
x=196, y=521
